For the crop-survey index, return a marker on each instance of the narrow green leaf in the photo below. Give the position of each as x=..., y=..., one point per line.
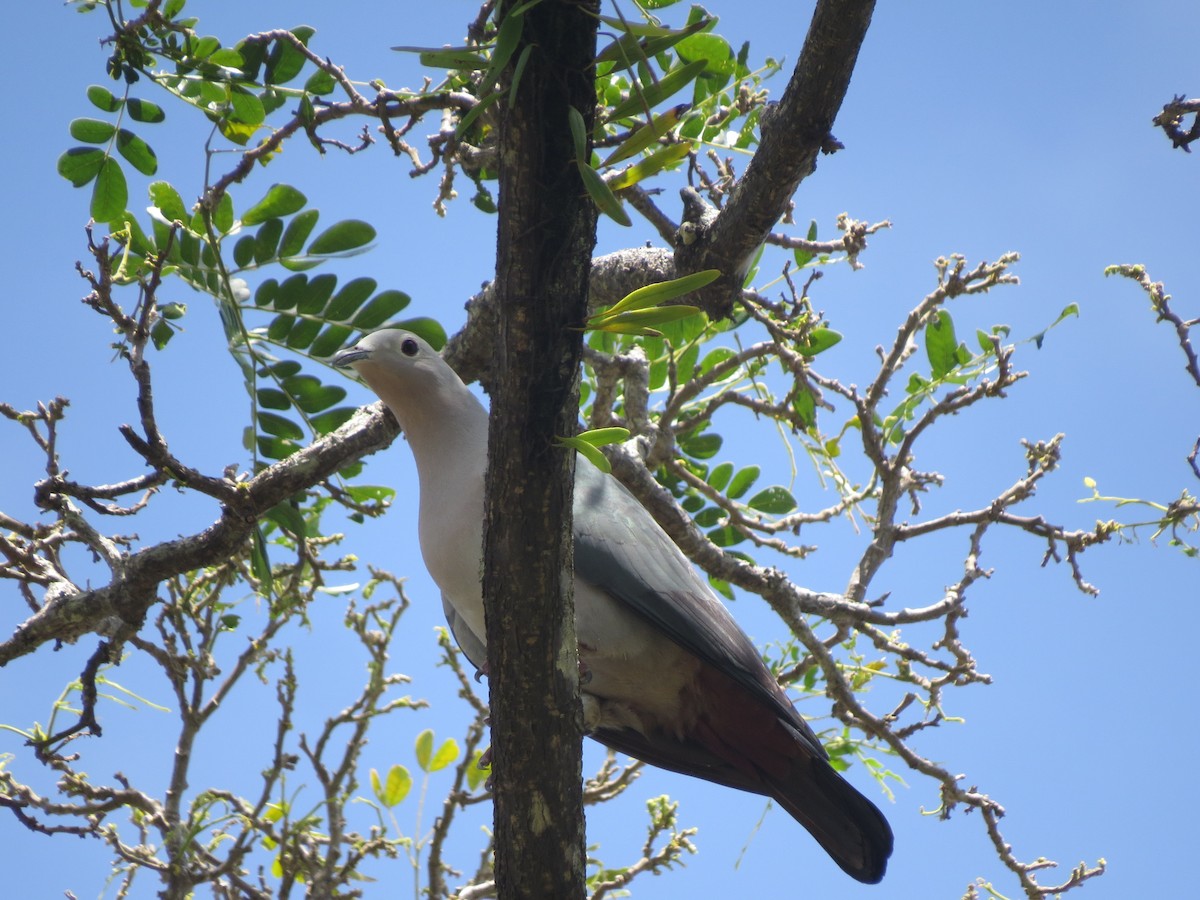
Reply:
x=280, y=200
x=774, y=500
x=80, y=165
x=578, y=134
x=110, y=195
x=660, y=292
x=602, y=195
x=598, y=437
x=648, y=96
x=651, y=165
x=642, y=321
x=260, y=563
x=464, y=58
x=303, y=334
x=589, y=451
x=92, y=131
x=647, y=134
x=349, y=234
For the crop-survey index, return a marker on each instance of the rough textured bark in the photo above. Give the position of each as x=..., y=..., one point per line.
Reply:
x=796, y=130
x=544, y=244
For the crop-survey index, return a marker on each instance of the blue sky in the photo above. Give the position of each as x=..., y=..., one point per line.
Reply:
x=976, y=128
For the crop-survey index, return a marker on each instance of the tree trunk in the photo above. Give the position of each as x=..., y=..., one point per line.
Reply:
x=545, y=238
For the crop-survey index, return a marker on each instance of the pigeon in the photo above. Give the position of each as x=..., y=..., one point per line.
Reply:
x=669, y=677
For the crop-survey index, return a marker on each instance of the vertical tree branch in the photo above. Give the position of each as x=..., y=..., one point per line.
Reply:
x=545, y=239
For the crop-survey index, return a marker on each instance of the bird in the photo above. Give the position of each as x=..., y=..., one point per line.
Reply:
x=670, y=677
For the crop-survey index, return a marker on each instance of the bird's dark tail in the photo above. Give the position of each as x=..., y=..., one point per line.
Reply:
x=845, y=823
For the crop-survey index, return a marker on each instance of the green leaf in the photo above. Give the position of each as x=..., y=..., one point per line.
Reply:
x=298, y=231
x=651, y=165
x=464, y=58
x=266, y=240
x=288, y=517
x=320, y=83
x=941, y=344
x=332, y=420
x=598, y=437
x=102, y=98
x=578, y=134
x=144, y=111
x=660, y=292
x=139, y=154
x=246, y=106
x=804, y=257
x=590, y=452
x=773, y=500
x=719, y=477
x=819, y=340
x=647, y=134
x=284, y=61
x=222, y=217
x=742, y=482
x=424, y=748
x=726, y=536
x=475, y=775
x=445, y=755
x=279, y=426
x=312, y=396
x=641, y=41
x=330, y=341
x=164, y=196
x=605, y=200
x=399, y=783
x=648, y=96
x=382, y=307
x=701, y=446
x=639, y=321
x=343, y=236
x=273, y=399
x=79, y=165
x=92, y=131
x=712, y=48
x=281, y=200
x=347, y=301
x=260, y=564
x=110, y=195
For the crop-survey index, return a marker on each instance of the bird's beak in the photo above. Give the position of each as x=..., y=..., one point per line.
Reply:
x=345, y=358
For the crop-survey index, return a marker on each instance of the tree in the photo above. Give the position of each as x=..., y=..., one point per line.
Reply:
x=169, y=602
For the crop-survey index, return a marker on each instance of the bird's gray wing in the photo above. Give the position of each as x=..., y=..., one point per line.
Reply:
x=621, y=550
x=471, y=644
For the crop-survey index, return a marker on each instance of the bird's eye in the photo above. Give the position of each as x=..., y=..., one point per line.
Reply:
x=409, y=347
